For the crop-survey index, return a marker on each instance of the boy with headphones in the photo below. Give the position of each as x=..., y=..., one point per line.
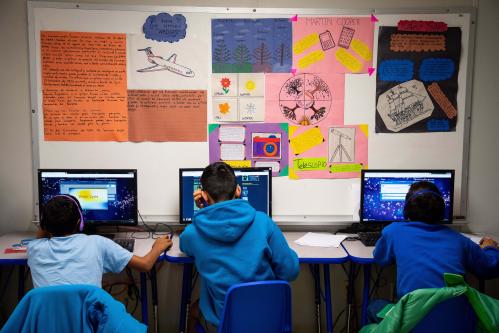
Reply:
x=424, y=249
x=231, y=243
x=61, y=255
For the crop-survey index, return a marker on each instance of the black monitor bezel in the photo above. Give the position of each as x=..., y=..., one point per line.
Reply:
x=436, y=171
x=181, y=170
x=91, y=223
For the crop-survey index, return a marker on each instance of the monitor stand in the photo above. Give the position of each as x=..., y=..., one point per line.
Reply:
x=357, y=227
x=92, y=230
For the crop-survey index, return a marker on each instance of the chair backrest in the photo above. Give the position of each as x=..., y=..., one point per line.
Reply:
x=71, y=308
x=453, y=315
x=263, y=307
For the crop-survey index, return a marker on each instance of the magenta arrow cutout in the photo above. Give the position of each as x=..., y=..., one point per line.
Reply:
x=374, y=18
x=370, y=70
x=293, y=71
x=294, y=18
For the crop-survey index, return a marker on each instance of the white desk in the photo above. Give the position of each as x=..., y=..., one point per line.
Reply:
x=314, y=256
x=141, y=248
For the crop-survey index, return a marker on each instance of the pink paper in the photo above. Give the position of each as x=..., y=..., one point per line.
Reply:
x=304, y=99
x=321, y=37
x=361, y=154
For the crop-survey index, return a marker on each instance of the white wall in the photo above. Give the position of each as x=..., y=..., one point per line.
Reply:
x=16, y=183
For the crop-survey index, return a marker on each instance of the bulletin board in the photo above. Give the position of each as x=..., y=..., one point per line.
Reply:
x=294, y=201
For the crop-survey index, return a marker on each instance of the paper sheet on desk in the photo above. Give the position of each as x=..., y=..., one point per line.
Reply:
x=475, y=239
x=321, y=240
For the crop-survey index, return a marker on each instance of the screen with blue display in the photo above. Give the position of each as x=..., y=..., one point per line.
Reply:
x=256, y=187
x=383, y=192
x=106, y=196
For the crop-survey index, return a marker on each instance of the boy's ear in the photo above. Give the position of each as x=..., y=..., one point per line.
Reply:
x=237, y=194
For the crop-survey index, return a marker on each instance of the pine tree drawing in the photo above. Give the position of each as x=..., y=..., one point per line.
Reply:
x=221, y=54
x=281, y=54
x=242, y=54
x=262, y=54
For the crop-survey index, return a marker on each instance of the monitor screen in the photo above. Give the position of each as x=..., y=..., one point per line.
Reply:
x=256, y=187
x=382, y=193
x=106, y=196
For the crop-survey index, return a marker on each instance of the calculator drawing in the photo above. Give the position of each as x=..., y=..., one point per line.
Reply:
x=327, y=41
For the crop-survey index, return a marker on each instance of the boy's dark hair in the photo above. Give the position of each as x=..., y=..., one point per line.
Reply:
x=60, y=216
x=219, y=181
x=424, y=203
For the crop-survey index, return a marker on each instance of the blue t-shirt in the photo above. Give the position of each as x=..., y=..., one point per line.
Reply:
x=74, y=259
x=424, y=252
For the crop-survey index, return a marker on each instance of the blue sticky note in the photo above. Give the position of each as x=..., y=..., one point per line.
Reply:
x=436, y=69
x=396, y=70
x=165, y=27
x=438, y=125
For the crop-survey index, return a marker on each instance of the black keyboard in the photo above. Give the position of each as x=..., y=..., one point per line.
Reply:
x=369, y=238
x=126, y=243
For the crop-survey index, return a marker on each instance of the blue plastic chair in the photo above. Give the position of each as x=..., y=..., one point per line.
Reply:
x=263, y=307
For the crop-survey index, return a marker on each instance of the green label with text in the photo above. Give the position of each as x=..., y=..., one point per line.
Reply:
x=350, y=167
x=310, y=164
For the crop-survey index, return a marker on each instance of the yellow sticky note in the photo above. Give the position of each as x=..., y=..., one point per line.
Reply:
x=292, y=174
x=310, y=59
x=364, y=129
x=348, y=60
x=239, y=164
x=305, y=43
x=361, y=49
x=291, y=130
x=347, y=167
x=310, y=164
x=306, y=140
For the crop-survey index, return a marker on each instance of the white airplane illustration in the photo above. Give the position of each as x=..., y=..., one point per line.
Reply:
x=162, y=64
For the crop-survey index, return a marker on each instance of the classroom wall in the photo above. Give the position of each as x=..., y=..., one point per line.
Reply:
x=16, y=177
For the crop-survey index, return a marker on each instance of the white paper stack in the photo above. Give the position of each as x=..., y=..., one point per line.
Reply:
x=321, y=240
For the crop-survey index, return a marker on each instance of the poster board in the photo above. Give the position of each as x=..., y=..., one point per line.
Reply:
x=307, y=201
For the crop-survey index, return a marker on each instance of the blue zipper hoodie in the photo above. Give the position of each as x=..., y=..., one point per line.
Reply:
x=233, y=243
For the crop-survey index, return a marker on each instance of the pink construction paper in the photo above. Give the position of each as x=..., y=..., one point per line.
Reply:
x=276, y=98
x=304, y=26
x=361, y=154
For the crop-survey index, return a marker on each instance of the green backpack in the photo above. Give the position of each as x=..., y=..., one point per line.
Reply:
x=413, y=307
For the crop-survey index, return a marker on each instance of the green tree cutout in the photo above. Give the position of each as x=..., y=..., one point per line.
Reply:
x=221, y=53
x=241, y=54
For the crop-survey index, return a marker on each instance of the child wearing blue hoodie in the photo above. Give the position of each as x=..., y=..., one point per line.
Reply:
x=231, y=243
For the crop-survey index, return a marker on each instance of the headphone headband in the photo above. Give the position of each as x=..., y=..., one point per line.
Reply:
x=422, y=192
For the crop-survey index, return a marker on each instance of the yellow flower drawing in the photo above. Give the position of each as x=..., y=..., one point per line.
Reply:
x=250, y=85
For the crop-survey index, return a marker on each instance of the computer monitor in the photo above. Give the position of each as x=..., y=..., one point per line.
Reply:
x=107, y=197
x=256, y=187
x=382, y=193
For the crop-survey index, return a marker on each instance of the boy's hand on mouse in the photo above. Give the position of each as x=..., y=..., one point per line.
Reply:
x=486, y=241
x=162, y=243
x=197, y=198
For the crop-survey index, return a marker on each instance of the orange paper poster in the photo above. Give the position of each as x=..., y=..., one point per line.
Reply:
x=84, y=86
x=167, y=115
x=333, y=44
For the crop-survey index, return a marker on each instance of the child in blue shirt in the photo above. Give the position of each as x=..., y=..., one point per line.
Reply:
x=423, y=249
x=61, y=255
x=231, y=242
